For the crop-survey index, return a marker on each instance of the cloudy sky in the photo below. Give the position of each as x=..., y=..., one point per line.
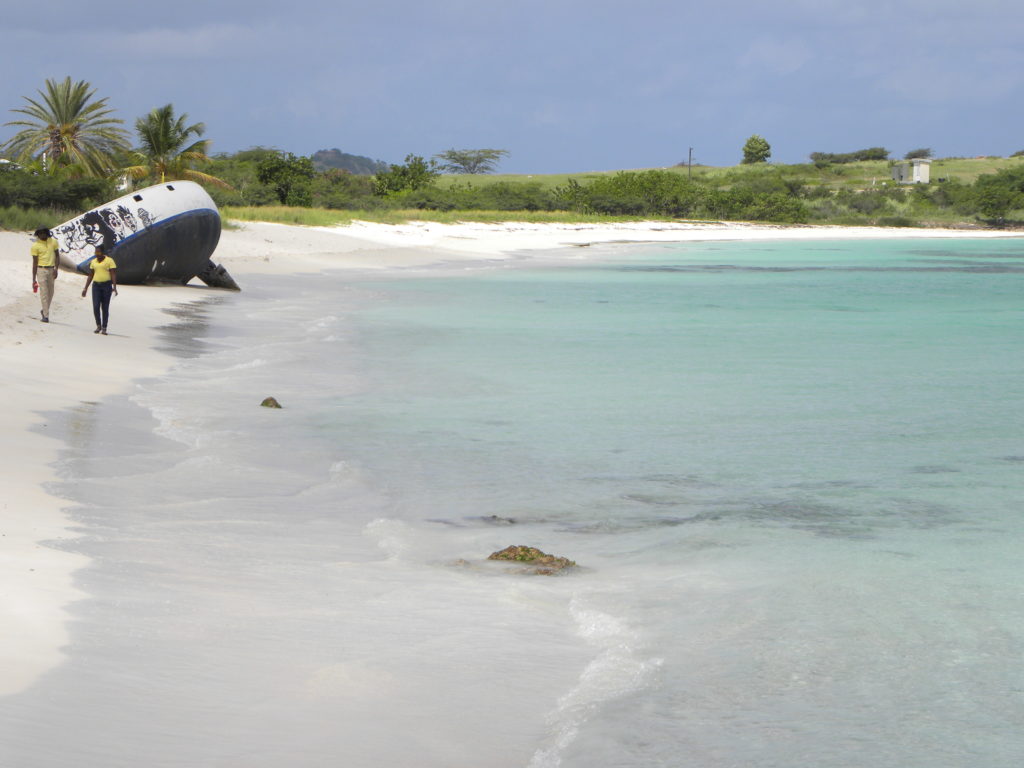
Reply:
x=563, y=85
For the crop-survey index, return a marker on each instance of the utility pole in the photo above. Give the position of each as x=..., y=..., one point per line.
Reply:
x=689, y=165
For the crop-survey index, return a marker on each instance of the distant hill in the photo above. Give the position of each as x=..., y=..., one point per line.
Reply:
x=357, y=164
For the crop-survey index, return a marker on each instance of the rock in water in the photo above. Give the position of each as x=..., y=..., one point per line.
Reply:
x=495, y=520
x=537, y=561
x=270, y=402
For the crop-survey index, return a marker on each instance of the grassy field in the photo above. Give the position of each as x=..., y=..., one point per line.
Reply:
x=861, y=175
x=968, y=170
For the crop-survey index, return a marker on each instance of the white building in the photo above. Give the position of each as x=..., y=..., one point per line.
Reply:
x=916, y=171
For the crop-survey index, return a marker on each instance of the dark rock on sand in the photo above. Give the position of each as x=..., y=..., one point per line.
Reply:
x=270, y=402
x=535, y=560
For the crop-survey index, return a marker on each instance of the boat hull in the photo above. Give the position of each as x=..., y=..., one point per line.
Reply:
x=163, y=233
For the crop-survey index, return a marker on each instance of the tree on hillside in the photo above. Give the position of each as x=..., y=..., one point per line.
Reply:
x=470, y=160
x=67, y=130
x=822, y=159
x=289, y=175
x=358, y=164
x=414, y=174
x=997, y=194
x=916, y=154
x=994, y=201
x=756, y=150
x=165, y=152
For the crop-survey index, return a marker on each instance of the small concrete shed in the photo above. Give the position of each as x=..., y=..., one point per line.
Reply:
x=916, y=171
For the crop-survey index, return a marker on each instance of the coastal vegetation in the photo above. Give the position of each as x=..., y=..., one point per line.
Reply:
x=325, y=159
x=167, y=151
x=965, y=192
x=824, y=159
x=470, y=160
x=414, y=174
x=71, y=154
x=67, y=130
x=29, y=200
x=756, y=150
x=288, y=176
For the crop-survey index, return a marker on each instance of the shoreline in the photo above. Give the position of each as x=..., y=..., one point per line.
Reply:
x=505, y=238
x=63, y=364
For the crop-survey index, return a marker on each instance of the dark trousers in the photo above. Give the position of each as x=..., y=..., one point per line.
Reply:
x=101, y=293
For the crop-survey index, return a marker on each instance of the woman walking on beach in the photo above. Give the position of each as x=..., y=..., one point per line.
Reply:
x=45, y=254
x=103, y=276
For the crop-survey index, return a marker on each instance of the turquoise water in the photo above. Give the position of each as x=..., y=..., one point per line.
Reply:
x=783, y=366
x=791, y=474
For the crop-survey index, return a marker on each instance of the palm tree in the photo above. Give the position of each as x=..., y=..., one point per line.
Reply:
x=68, y=130
x=165, y=153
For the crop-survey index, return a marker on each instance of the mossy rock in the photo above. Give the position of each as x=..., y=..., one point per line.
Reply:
x=539, y=562
x=270, y=402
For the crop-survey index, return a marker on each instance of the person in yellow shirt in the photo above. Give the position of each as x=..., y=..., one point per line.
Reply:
x=103, y=276
x=45, y=257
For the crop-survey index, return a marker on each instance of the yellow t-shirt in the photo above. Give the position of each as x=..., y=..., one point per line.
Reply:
x=46, y=252
x=101, y=269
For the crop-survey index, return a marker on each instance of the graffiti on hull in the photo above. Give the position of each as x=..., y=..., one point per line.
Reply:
x=103, y=226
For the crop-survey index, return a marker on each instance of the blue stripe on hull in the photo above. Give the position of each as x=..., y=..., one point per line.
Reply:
x=174, y=249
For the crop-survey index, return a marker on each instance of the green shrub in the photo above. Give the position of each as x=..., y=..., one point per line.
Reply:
x=950, y=194
x=660, y=193
x=339, y=189
x=245, y=194
x=817, y=193
x=30, y=190
x=414, y=174
x=826, y=158
x=868, y=203
x=509, y=196
x=896, y=221
x=427, y=198
x=288, y=175
x=17, y=219
x=996, y=194
x=767, y=183
x=824, y=210
x=776, y=206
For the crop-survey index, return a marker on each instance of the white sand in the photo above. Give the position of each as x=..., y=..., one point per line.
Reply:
x=497, y=239
x=55, y=366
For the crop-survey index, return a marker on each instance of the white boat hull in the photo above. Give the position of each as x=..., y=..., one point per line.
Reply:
x=163, y=233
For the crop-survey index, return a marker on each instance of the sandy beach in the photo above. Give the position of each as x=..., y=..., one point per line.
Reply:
x=60, y=365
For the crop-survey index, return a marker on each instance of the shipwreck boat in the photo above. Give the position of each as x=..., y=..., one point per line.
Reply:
x=164, y=233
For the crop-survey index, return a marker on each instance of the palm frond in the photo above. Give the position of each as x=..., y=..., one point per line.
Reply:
x=68, y=128
x=164, y=148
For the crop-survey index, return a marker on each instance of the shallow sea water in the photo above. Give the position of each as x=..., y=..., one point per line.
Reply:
x=791, y=473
